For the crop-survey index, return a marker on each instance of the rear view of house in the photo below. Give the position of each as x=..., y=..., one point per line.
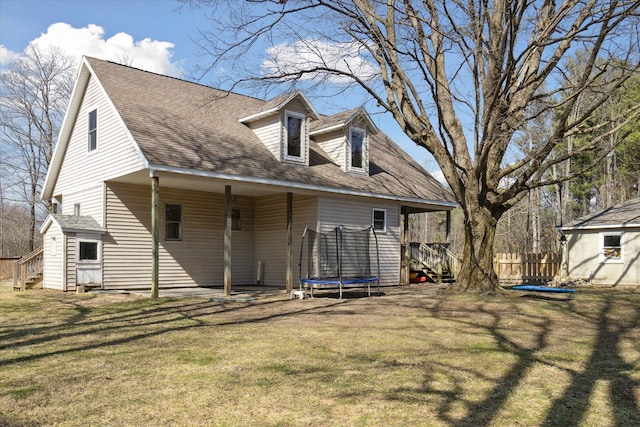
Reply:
x=158, y=179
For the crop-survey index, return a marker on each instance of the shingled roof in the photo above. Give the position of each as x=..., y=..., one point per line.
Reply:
x=188, y=126
x=623, y=215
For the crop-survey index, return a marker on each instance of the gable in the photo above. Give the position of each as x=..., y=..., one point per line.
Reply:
x=75, y=166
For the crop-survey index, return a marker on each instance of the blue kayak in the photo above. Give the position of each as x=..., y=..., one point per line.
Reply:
x=542, y=289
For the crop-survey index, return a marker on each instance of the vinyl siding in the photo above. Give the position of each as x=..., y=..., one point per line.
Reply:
x=91, y=201
x=115, y=155
x=584, y=258
x=269, y=130
x=356, y=213
x=271, y=234
x=70, y=241
x=53, y=263
x=335, y=145
x=196, y=260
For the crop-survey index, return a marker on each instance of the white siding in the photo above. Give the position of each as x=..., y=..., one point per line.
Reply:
x=584, y=259
x=242, y=248
x=269, y=130
x=53, y=250
x=115, y=155
x=91, y=201
x=70, y=241
x=356, y=213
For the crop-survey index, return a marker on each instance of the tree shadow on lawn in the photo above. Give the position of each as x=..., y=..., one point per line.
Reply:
x=141, y=319
x=570, y=409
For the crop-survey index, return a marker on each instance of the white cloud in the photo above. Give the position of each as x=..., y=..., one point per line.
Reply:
x=147, y=54
x=439, y=176
x=6, y=55
x=307, y=55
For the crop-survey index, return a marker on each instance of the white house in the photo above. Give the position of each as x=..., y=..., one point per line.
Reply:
x=603, y=248
x=160, y=180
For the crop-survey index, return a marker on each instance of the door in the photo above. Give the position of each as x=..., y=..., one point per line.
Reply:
x=88, y=261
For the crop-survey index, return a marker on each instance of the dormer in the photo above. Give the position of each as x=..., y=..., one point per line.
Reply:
x=345, y=138
x=282, y=125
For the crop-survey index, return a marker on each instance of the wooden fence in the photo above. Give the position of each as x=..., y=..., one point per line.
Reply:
x=519, y=268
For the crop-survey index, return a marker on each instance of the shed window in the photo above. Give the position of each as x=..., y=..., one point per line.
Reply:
x=93, y=130
x=295, y=138
x=612, y=246
x=379, y=219
x=356, y=141
x=173, y=222
x=88, y=251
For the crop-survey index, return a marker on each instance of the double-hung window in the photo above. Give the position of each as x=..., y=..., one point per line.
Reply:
x=173, y=222
x=379, y=220
x=357, y=145
x=295, y=136
x=93, y=130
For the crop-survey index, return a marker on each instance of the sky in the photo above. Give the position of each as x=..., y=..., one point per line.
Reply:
x=155, y=35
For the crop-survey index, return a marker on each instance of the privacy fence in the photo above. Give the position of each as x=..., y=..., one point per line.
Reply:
x=518, y=268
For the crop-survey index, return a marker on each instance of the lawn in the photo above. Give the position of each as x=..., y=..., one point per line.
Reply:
x=414, y=356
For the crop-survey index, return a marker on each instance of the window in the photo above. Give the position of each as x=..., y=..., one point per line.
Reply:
x=76, y=209
x=93, y=130
x=173, y=222
x=356, y=141
x=379, y=220
x=54, y=246
x=294, y=127
x=236, y=225
x=611, y=247
x=88, y=251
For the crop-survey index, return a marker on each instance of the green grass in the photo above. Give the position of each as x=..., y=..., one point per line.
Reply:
x=415, y=356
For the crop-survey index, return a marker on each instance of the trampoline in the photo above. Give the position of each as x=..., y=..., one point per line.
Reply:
x=339, y=259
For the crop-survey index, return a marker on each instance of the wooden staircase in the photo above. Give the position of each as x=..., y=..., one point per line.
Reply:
x=28, y=270
x=435, y=260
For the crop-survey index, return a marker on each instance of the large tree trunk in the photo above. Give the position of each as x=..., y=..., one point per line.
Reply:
x=476, y=271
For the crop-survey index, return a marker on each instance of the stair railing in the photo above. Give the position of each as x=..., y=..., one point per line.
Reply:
x=29, y=266
x=437, y=257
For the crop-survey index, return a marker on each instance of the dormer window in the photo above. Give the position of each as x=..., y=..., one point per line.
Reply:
x=294, y=136
x=358, y=150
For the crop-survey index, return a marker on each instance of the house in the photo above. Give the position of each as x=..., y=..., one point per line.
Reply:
x=156, y=180
x=603, y=248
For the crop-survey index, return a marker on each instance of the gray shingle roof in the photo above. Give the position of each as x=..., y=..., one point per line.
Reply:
x=187, y=125
x=75, y=223
x=622, y=215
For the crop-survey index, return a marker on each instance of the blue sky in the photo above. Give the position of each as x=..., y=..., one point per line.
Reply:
x=158, y=34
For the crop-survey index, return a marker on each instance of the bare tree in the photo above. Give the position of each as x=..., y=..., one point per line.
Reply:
x=458, y=77
x=34, y=92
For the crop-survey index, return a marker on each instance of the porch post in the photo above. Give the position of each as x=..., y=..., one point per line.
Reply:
x=155, y=246
x=227, y=243
x=289, y=279
x=405, y=276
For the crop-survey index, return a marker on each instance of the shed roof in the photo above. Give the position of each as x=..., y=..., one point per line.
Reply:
x=623, y=215
x=73, y=224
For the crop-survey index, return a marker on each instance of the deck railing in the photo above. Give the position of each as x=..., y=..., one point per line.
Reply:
x=437, y=257
x=27, y=268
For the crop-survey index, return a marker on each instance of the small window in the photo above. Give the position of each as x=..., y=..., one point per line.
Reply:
x=236, y=224
x=76, y=209
x=93, y=130
x=356, y=141
x=379, y=220
x=612, y=247
x=173, y=222
x=88, y=251
x=53, y=250
x=294, y=127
